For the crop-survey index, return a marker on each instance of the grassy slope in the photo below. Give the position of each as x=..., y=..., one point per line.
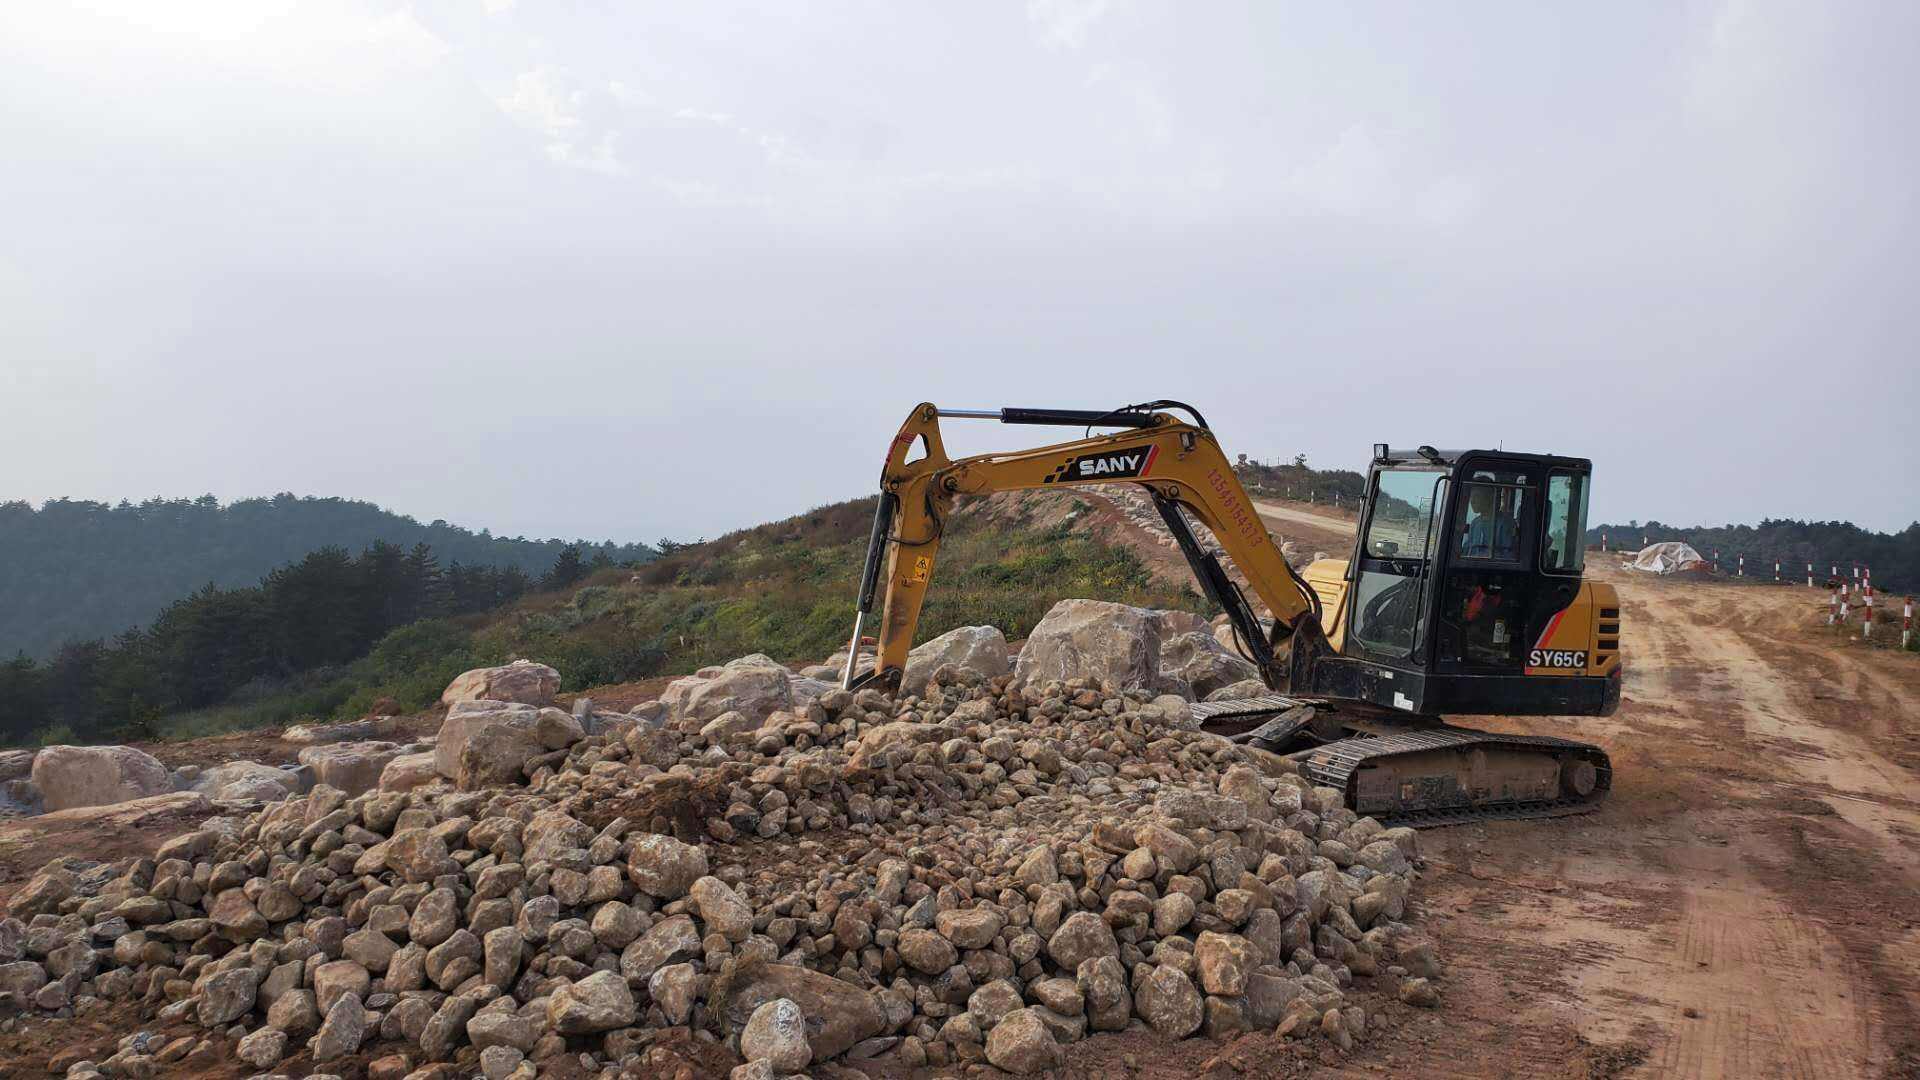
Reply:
x=784, y=589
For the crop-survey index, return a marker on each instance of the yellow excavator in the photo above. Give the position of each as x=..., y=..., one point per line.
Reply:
x=1463, y=596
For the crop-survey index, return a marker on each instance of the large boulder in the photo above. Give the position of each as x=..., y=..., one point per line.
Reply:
x=16, y=764
x=352, y=767
x=409, y=771
x=134, y=813
x=74, y=776
x=522, y=681
x=838, y=1014
x=753, y=686
x=1200, y=660
x=980, y=649
x=1114, y=645
x=486, y=743
x=374, y=727
x=249, y=780
x=1175, y=623
x=807, y=690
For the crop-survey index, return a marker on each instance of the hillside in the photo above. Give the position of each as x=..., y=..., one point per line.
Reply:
x=1894, y=558
x=783, y=588
x=74, y=570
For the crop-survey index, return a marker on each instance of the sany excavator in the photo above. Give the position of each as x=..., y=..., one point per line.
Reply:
x=1463, y=595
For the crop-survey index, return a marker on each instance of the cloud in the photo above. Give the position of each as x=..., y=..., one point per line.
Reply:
x=549, y=102
x=666, y=223
x=1065, y=24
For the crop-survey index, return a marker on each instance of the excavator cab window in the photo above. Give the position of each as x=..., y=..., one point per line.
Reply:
x=1566, y=533
x=1389, y=596
x=1487, y=588
x=1490, y=525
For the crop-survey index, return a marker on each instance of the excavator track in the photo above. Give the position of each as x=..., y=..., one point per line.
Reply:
x=1421, y=776
x=1452, y=775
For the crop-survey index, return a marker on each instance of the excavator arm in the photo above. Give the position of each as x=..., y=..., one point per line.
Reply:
x=1179, y=463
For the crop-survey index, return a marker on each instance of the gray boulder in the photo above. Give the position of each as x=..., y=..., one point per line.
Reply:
x=238, y=780
x=1114, y=645
x=16, y=764
x=488, y=743
x=753, y=686
x=74, y=776
x=352, y=767
x=522, y=681
x=980, y=649
x=1200, y=660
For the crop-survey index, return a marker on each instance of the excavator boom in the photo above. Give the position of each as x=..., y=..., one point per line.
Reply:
x=1181, y=466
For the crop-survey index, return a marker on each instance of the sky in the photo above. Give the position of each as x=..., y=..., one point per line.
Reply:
x=643, y=270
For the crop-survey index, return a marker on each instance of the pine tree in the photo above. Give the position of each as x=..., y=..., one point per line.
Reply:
x=567, y=569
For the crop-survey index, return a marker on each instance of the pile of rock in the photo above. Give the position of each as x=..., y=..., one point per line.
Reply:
x=991, y=869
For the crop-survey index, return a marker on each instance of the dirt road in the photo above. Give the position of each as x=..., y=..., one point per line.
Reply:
x=1747, y=903
x=1304, y=523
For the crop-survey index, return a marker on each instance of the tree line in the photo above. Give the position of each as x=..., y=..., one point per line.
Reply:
x=1299, y=481
x=74, y=569
x=1893, y=557
x=325, y=610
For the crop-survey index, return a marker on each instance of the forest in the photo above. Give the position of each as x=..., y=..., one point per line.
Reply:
x=314, y=615
x=1894, y=558
x=74, y=570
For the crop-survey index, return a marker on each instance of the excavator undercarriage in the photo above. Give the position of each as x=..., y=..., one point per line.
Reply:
x=1463, y=595
x=1405, y=771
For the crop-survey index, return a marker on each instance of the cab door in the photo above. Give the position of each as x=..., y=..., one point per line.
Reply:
x=1389, y=601
x=1487, y=598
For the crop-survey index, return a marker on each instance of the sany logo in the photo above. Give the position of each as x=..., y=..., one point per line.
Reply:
x=1107, y=465
x=1118, y=463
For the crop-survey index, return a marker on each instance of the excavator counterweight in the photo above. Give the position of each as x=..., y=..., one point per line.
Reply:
x=1463, y=595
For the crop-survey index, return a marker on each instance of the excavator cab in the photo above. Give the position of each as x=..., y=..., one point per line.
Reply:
x=1464, y=592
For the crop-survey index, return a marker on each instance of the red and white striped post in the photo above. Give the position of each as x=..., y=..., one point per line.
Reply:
x=1809, y=575
x=1866, y=618
x=1906, y=625
x=1603, y=541
x=1741, y=562
x=1776, y=571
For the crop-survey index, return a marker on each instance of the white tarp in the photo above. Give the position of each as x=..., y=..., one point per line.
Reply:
x=1668, y=558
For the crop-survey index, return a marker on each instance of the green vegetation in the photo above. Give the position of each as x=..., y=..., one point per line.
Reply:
x=784, y=589
x=1298, y=481
x=75, y=570
x=270, y=651
x=1893, y=557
